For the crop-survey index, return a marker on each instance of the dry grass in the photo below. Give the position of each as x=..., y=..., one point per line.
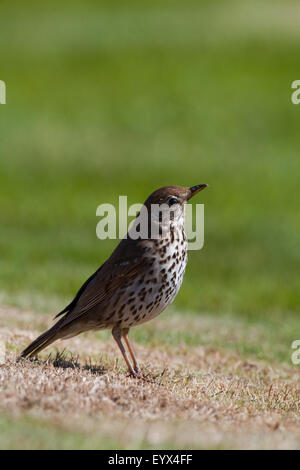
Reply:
x=203, y=397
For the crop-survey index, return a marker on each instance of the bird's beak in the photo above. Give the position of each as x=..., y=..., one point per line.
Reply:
x=195, y=189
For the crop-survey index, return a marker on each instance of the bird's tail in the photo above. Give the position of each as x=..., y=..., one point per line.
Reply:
x=42, y=341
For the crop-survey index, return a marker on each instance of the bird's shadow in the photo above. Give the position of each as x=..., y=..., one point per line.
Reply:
x=66, y=360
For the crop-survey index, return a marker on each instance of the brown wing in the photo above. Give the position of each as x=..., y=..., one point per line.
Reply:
x=124, y=264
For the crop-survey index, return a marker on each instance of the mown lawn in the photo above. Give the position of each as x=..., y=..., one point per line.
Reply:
x=195, y=394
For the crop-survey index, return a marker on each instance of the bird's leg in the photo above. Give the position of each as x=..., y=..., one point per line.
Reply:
x=137, y=370
x=117, y=334
x=131, y=351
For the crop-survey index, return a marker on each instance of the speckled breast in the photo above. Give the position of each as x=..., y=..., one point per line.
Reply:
x=150, y=293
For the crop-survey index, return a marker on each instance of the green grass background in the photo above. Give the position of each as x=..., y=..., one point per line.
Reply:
x=108, y=98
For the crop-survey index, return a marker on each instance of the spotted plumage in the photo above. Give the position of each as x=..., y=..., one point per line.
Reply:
x=139, y=280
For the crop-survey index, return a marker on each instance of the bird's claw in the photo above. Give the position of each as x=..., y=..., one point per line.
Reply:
x=144, y=377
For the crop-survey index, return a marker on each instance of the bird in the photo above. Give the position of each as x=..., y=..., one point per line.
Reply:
x=136, y=283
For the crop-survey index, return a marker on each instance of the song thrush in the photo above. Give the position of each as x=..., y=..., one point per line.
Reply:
x=139, y=280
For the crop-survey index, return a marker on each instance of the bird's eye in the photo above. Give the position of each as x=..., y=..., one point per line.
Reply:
x=173, y=201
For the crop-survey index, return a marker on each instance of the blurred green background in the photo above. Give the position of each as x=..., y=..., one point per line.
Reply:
x=112, y=97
